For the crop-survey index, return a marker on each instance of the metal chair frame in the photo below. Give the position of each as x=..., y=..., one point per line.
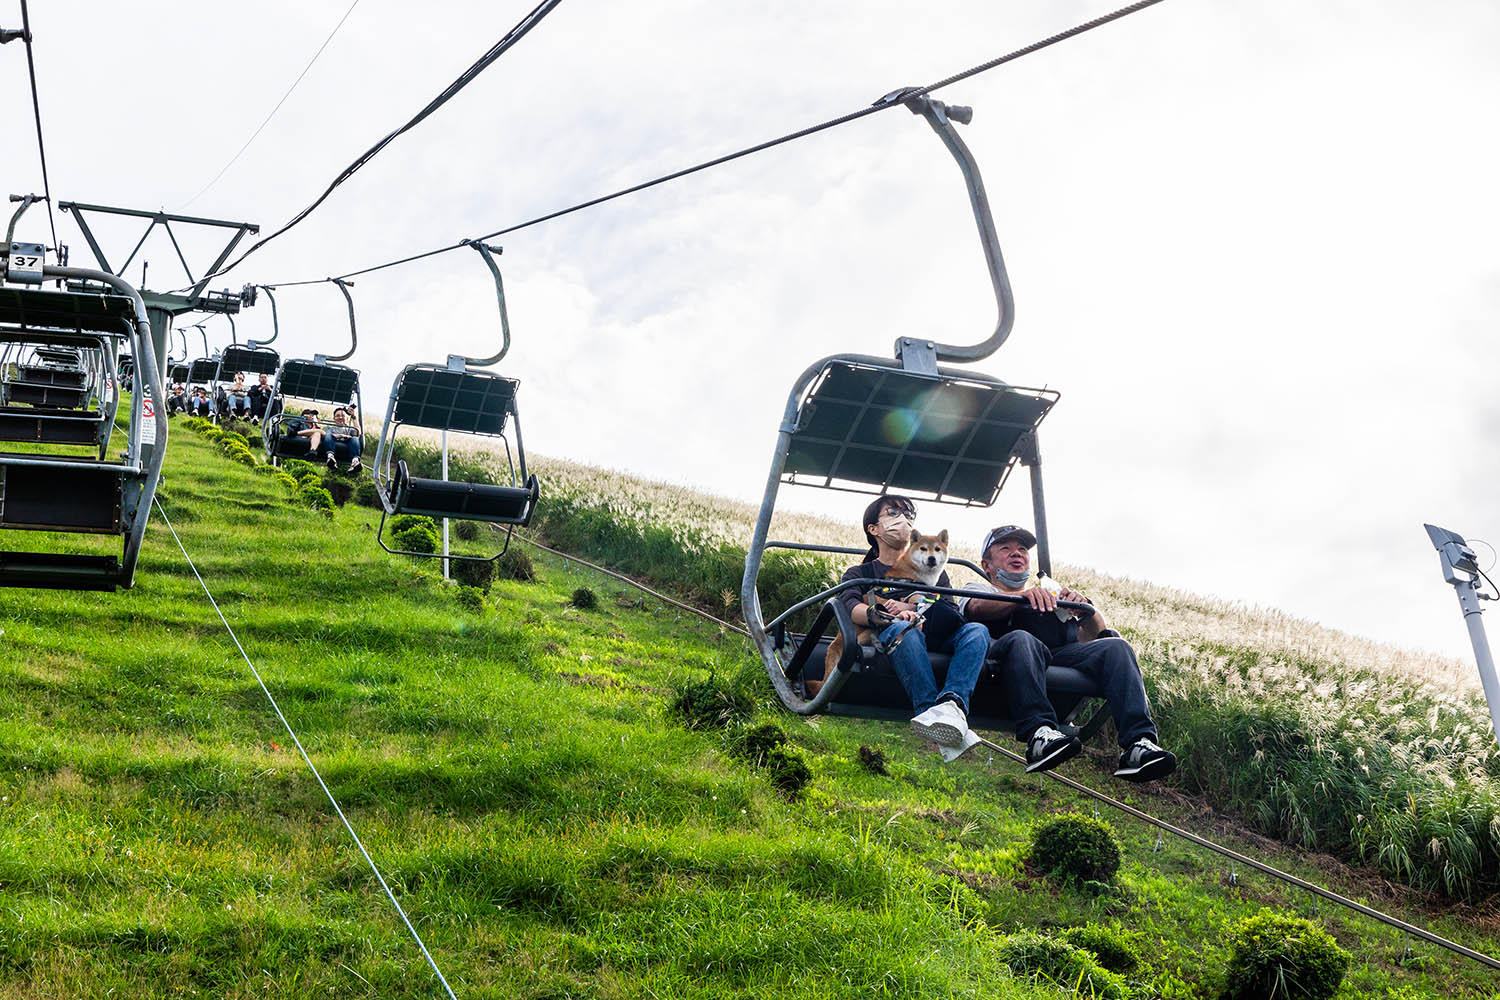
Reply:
x=874, y=465
x=468, y=401
x=330, y=382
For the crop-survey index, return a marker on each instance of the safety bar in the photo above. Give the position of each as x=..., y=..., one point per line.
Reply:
x=846, y=550
x=1085, y=611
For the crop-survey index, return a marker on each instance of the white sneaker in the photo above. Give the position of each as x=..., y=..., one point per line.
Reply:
x=944, y=724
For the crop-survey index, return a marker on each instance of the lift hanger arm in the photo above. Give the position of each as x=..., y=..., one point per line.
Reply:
x=489, y=260
x=275, y=323
x=353, y=333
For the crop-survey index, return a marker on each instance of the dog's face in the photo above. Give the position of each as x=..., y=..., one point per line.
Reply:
x=929, y=554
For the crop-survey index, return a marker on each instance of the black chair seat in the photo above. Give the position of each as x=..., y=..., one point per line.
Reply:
x=875, y=690
x=61, y=397
x=43, y=375
x=40, y=426
x=50, y=498
x=59, y=571
x=470, y=501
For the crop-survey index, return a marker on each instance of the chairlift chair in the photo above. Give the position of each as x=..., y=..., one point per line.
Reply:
x=319, y=379
x=54, y=395
x=456, y=397
x=913, y=426
x=46, y=491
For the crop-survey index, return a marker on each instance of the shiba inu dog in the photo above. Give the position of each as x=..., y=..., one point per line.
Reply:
x=921, y=562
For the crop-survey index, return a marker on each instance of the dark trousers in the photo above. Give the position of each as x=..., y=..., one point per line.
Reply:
x=1022, y=660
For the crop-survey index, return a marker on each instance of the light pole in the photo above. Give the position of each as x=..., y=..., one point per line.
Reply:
x=1461, y=569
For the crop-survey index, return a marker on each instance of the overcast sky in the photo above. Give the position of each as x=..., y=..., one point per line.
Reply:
x=1255, y=246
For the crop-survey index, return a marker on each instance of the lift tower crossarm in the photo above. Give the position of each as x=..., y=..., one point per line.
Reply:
x=165, y=219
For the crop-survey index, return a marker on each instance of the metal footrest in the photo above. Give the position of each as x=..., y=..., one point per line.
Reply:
x=58, y=571
x=57, y=498
x=43, y=375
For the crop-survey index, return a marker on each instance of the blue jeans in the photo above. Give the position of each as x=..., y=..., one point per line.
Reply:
x=966, y=647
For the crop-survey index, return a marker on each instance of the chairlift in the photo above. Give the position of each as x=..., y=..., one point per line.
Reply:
x=456, y=397
x=320, y=379
x=913, y=426
x=42, y=489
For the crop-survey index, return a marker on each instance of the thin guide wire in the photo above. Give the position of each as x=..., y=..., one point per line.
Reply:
x=36, y=107
x=303, y=751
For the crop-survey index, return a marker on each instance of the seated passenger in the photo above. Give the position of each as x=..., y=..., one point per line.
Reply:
x=200, y=405
x=176, y=401
x=1030, y=640
x=260, y=398
x=310, y=431
x=941, y=716
x=343, y=438
x=237, y=398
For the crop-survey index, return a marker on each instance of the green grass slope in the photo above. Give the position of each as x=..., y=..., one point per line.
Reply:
x=516, y=771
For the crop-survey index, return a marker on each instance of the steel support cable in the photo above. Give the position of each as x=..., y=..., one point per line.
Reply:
x=235, y=158
x=890, y=101
x=303, y=751
x=468, y=76
x=1160, y=824
x=36, y=107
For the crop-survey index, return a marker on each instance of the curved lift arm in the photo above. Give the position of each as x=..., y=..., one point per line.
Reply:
x=489, y=260
x=353, y=333
x=915, y=354
x=275, y=323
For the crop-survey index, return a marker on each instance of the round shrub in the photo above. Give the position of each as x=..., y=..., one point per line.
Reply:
x=311, y=478
x=1076, y=848
x=285, y=480
x=755, y=743
x=467, y=531
x=473, y=574
x=225, y=437
x=1110, y=946
x=1030, y=954
x=710, y=704
x=402, y=522
x=296, y=468
x=315, y=497
x=585, y=599
x=416, y=538
x=1277, y=955
x=514, y=564
x=244, y=457
x=269, y=470
x=213, y=433
x=470, y=598
x=365, y=493
x=789, y=769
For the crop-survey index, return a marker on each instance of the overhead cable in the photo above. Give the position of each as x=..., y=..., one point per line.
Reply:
x=36, y=107
x=891, y=100
x=233, y=159
x=468, y=76
x=303, y=751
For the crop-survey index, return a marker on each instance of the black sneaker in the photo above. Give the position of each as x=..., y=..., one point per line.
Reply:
x=1145, y=761
x=1048, y=748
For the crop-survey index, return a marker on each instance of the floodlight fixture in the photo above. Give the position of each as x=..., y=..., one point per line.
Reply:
x=1461, y=570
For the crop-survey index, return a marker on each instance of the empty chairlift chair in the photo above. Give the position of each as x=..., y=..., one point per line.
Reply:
x=42, y=490
x=59, y=395
x=457, y=398
x=912, y=426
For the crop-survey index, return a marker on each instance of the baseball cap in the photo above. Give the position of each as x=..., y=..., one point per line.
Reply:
x=1005, y=532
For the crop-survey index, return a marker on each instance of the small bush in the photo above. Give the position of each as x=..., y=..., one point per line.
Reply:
x=470, y=598
x=1060, y=963
x=1076, y=849
x=227, y=437
x=467, y=531
x=296, y=468
x=585, y=599
x=1110, y=946
x=710, y=704
x=269, y=470
x=872, y=759
x=365, y=493
x=1275, y=955
x=789, y=769
x=339, y=488
x=284, y=480
x=316, y=498
x=515, y=564
x=755, y=743
x=244, y=458
x=416, y=538
x=474, y=575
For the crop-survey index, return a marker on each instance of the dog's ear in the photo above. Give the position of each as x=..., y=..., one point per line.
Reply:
x=916, y=536
x=943, y=536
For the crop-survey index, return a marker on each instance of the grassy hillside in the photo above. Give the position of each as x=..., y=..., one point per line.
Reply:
x=515, y=767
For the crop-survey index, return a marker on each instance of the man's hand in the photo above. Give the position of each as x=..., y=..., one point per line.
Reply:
x=1040, y=599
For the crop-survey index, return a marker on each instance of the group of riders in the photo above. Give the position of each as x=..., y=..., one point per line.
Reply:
x=1019, y=637
x=340, y=441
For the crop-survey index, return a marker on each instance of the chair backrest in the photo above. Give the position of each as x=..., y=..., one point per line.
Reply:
x=250, y=360
x=468, y=402
x=872, y=429
x=79, y=311
x=203, y=370
x=320, y=383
